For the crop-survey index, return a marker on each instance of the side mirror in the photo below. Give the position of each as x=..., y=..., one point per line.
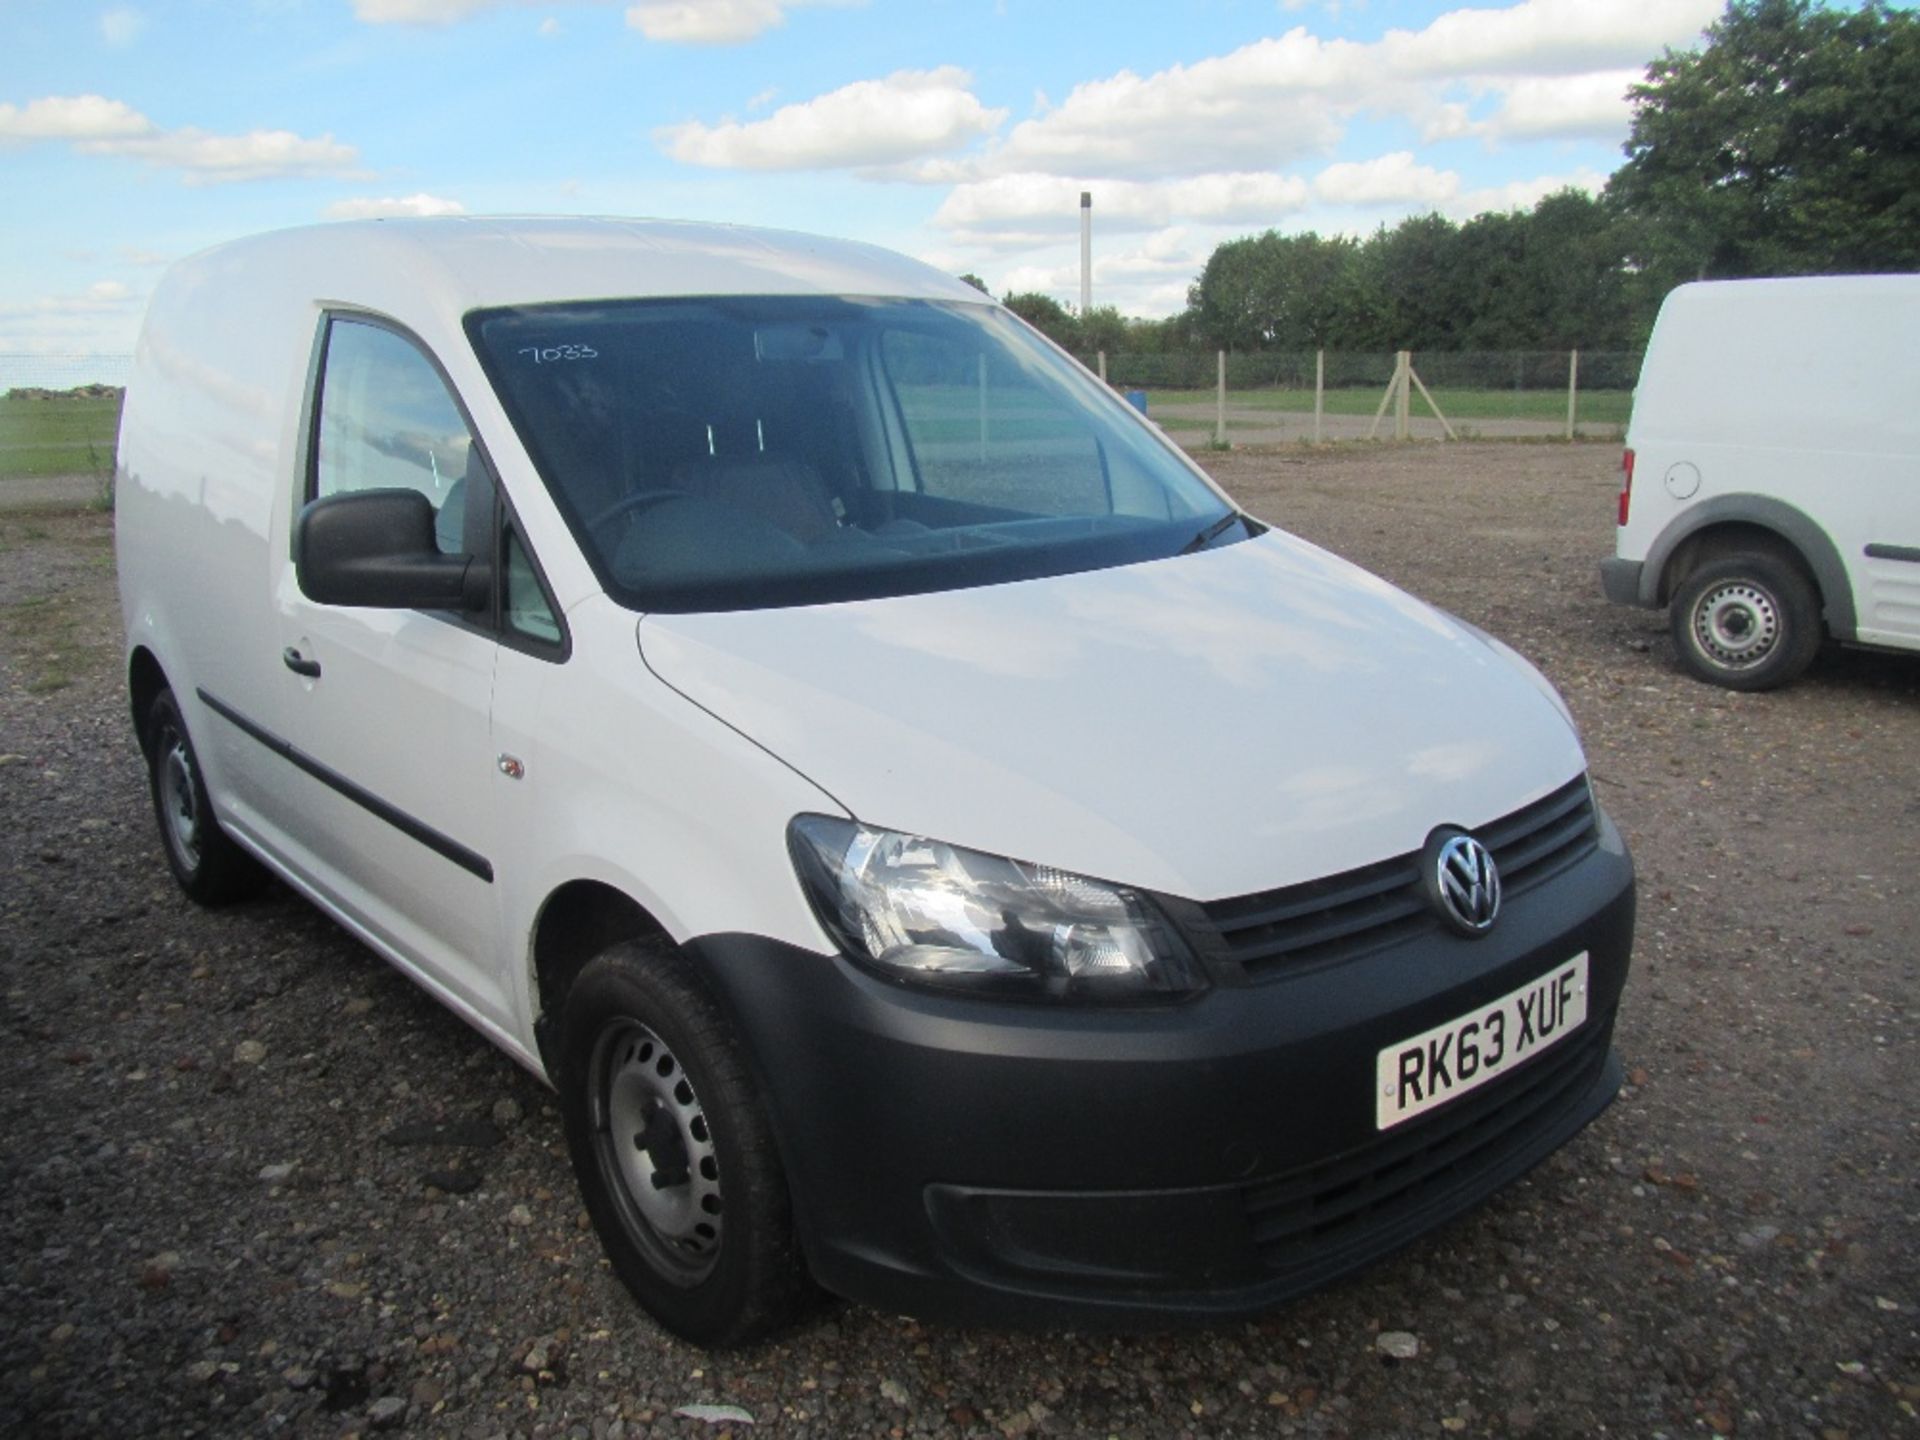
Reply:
x=377, y=548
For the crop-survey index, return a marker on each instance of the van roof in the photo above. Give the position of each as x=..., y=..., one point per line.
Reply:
x=479, y=261
x=1811, y=362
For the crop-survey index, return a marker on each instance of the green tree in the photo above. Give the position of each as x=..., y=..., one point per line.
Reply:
x=976, y=282
x=1102, y=328
x=1415, y=293
x=1274, y=291
x=1788, y=144
x=1047, y=315
x=1552, y=278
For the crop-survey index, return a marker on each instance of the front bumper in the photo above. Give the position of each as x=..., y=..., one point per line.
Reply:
x=980, y=1161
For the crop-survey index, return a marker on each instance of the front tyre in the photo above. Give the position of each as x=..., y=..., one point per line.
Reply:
x=1747, y=622
x=204, y=860
x=672, y=1150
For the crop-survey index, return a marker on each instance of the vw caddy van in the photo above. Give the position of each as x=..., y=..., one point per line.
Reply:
x=1778, y=463
x=934, y=843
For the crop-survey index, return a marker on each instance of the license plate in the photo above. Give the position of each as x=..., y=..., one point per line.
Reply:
x=1432, y=1068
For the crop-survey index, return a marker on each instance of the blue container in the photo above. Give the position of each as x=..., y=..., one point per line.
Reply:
x=1138, y=399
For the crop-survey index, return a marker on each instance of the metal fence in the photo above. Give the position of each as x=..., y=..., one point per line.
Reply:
x=1204, y=397
x=62, y=372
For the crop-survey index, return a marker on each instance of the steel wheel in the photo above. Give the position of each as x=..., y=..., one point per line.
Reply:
x=662, y=1114
x=179, y=807
x=1748, y=622
x=1737, y=623
x=653, y=1145
x=206, y=862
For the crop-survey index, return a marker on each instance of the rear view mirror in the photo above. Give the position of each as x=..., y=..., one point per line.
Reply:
x=796, y=342
x=377, y=548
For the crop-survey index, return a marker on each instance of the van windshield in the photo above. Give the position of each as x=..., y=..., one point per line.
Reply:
x=744, y=453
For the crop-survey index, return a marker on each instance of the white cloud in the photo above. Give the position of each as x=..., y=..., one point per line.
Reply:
x=713, y=22
x=72, y=117
x=1546, y=37
x=121, y=26
x=687, y=22
x=1260, y=106
x=1396, y=179
x=390, y=207
x=222, y=159
x=1048, y=205
x=549, y=27
x=95, y=125
x=103, y=297
x=705, y=22
x=422, y=12
x=1553, y=67
x=1586, y=106
x=910, y=113
x=1524, y=194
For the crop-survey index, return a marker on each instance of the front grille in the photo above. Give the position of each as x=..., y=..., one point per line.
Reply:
x=1365, y=910
x=1412, y=1175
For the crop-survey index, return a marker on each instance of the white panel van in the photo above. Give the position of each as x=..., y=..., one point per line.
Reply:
x=1771, y=490
x=936, y=845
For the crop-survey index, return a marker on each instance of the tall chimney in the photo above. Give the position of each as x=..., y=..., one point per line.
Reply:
x=1086, y=251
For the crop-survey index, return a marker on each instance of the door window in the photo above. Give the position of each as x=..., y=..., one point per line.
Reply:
x=387, y=420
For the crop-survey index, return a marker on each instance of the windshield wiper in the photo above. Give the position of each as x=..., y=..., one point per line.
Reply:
x=1212, y=532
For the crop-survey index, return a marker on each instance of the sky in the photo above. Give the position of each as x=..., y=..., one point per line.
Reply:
x=958, y=131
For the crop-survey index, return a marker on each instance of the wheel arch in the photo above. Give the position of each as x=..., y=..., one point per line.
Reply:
x=577, y=921
x=1731, y=524
x=145, y=681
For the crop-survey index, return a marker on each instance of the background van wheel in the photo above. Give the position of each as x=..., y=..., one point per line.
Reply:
x=209, y=866
x=1748, y=622
x=672, y=1150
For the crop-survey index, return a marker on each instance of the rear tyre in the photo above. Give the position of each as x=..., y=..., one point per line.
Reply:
x=672, y=1150
x=209, y=866
x=1747, y=622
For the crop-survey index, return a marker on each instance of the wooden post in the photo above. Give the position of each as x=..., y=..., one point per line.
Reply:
x=1319, y=391
x=1220, y=402
x=1573, y=388
x=1386, y=399
x=1427, y=395
x=1103, y=365
x=1403, y=401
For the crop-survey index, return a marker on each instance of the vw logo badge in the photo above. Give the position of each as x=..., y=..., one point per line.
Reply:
x=1462, y=881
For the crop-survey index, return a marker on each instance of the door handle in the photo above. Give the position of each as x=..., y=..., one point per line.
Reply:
x=299, y=663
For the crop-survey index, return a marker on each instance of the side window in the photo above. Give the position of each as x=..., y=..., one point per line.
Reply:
x=386, y=420
x=985, y=431
x=526, y=612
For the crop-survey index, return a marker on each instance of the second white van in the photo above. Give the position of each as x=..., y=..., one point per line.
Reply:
x=1771, y=490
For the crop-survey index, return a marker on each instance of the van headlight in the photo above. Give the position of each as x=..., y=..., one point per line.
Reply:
x=927, y=913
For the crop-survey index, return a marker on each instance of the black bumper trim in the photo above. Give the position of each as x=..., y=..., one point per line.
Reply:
x=1620, y=582
x=1908, y=553
x=442, y=845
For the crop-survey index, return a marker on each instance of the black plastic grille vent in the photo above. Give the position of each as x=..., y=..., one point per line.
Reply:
x=1302, y=1220
x=1364, y=910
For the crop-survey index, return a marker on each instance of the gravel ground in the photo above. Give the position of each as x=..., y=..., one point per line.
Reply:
x=255, y=1182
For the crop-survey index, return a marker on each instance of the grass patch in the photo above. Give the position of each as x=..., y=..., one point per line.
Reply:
x=58, y=435
x=43, y=634
x=56, y=634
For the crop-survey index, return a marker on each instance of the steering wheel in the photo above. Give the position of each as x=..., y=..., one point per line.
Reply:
x=629, y=504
